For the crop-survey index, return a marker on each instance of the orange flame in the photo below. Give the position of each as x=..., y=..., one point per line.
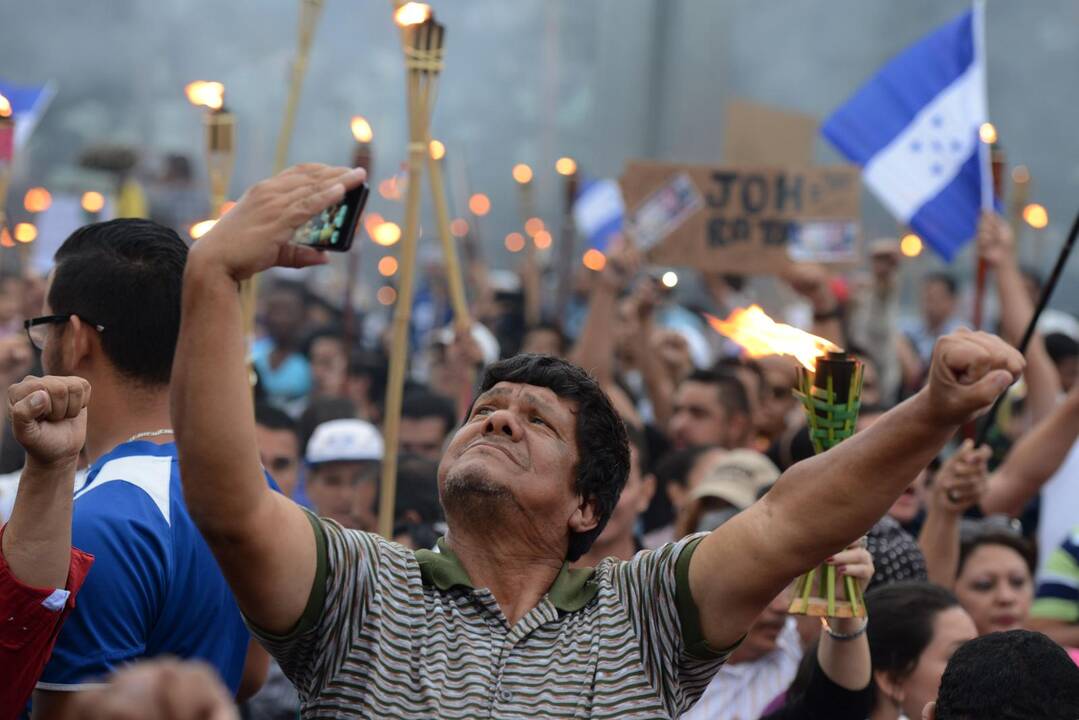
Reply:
x=760, y=335
x=206, y=93
x=5, y=107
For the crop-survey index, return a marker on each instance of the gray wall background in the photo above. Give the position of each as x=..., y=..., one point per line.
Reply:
x=525, y=81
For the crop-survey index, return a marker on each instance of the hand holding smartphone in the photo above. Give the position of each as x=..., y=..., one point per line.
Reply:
x=333, y=228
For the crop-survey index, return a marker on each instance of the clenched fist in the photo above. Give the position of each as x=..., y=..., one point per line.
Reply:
x=48, y=417
x=254, y=235
x=968, y=371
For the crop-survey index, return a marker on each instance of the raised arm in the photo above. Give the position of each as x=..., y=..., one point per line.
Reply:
x=822, y=504
x=957, y=487
x=594, y=350
x=996, y=244
x=1034, y=459
x=262, y=541
x=48, y=417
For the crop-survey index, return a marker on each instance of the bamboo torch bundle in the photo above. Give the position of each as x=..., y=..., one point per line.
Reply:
x=422, y=41
x=831, y=395
x=830, y=388
x=310, y=10
x=7, y=156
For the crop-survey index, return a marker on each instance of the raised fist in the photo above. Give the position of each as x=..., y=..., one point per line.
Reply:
x=48, y=417
x=995, y=240
x=968, y=371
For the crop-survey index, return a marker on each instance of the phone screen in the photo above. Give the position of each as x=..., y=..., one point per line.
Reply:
x=334, y=227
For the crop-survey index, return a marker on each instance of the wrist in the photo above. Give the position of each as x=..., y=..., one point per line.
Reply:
x=37, y=466
x=844, y=629
x=206, y=268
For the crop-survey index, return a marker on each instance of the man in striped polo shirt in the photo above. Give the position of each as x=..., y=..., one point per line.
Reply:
x=496, y=624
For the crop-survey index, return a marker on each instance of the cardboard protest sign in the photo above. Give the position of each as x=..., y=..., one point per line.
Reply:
x=744, y=220
x=756, y=134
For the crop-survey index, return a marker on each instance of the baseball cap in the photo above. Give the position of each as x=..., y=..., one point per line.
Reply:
x=737, y=477
x=344, y=440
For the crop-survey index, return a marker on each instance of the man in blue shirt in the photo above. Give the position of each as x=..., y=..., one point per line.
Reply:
x=112, y=315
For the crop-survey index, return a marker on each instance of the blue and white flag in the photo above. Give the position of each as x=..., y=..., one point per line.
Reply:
x=598, y=212
x=28, y=104
x=914, y=130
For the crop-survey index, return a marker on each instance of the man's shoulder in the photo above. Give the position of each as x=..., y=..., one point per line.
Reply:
x=129, y=485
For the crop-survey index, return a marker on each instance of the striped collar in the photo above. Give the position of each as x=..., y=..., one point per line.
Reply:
x=570, y=591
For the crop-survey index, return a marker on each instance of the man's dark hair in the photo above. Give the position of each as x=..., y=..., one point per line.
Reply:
x=422, y=403
x=126, y=276
x=602, y=447
x=1013, y=675
x=995, y=535
x=948, y=281
x=902, y=626
x=274, y=418
x=1061, y=347
x=732, y=393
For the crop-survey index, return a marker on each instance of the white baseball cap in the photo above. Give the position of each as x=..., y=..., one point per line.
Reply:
x=343, y=441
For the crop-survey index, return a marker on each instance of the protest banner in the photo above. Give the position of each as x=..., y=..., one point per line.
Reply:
x=745, y=220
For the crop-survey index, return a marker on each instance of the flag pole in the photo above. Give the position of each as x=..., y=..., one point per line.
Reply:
x=984, y=162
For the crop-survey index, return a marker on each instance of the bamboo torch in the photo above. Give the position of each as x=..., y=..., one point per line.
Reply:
x=362, y=156
x=987, y=134
x=830, y=387
x=461, y=317
x=310, y=10
x=220, y=141
x=522, y=175
x=567, y=168
x=422, y=39
x=7, y=158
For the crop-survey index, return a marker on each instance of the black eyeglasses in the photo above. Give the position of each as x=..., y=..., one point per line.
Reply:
x=37, y=329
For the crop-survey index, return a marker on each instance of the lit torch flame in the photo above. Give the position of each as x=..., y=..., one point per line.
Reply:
x=361, y=129
x=206, y=93
x=412, y=13
x=760, y=335
x=5, y=107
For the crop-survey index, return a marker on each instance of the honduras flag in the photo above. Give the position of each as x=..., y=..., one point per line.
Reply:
x=914, y=130
x=598, y=212
x=27, y=106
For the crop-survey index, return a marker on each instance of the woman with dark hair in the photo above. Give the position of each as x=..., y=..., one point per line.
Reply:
x=995, y=583
x=914, y=629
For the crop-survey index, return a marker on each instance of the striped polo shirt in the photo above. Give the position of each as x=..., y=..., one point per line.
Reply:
x=393, y=633
x=1058, y=584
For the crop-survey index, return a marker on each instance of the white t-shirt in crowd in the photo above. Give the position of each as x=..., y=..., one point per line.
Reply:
x=742, y=691
x=1059, y=507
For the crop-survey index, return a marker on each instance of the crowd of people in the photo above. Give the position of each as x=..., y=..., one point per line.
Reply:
x=598, y=512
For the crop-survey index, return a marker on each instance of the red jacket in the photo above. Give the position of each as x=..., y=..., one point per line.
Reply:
x=30, y=620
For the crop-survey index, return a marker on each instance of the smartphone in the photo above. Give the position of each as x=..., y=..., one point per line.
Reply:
x=334, y=227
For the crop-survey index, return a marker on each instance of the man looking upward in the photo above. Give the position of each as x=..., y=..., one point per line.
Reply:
x=496, y=623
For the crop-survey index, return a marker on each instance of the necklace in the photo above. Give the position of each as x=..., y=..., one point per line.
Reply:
x=150, y=434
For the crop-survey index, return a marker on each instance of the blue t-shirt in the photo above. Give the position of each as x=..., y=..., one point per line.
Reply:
x=155, y=588
x=289, y=380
